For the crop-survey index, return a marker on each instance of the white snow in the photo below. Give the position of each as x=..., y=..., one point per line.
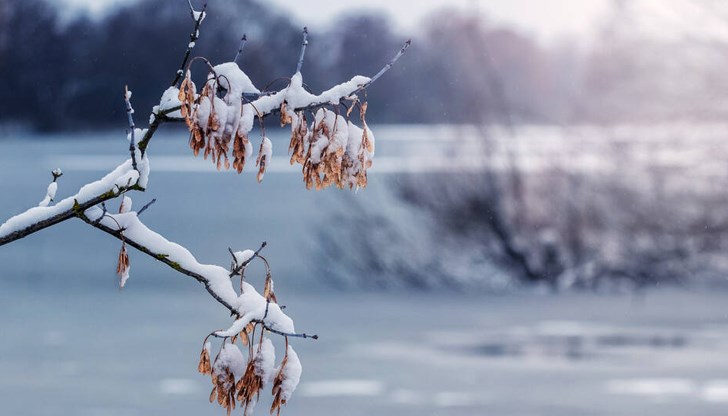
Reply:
x=199, y=16
x=291, y=374
x=354, y=150
x=230, y=357
x=50, y=194
x=120, y=177
x=124, y=277
x=265, y=156
x=170, y=99
x=265, y=361
x=243, y=256
x=126, y=204
x=250, y=305
x=233, y=79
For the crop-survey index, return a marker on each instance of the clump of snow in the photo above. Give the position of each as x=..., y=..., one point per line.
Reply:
x=264, y=359
x=120, y=177
x=126, y=204
x=50, y=194
x=198, y=16
x=124, y=276
x=291, y=374
x=144, y=168
x=359, y=157
x=243, y=256
x=264, y=157
x=233, y=79
x=231, y=358
x=169, y=100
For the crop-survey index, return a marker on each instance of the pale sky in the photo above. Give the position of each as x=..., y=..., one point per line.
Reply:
x=544, y=18
x=547, y=19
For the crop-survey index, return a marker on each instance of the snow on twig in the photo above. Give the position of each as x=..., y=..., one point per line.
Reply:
x=304, y=43
x=120, y=180
x=198, y=17
x=250, y=305
x=389, y=64
x=243, y=41
x=132, y=127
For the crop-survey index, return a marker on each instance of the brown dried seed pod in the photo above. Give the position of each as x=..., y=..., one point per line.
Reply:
x=213, y=393
x=186, y=97
x=285, y=117
x=204, y=366
x=122, y=266
x=277, y=391
x=298, y=135
x=249, y=386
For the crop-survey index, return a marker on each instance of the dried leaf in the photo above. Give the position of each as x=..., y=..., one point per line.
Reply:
x=285, y=117
x=277, y=391
x=249, y=386
x=122, y=266
x=204, y=366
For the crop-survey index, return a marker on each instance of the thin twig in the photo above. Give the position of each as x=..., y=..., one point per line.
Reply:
x=285, y=334
x=193, y=38
x=132, y=127
x=388, y=65
x=159, y=256
x=304, y=43
x=243, y=41
x=244, y=264
x=103, y=213
x=144, y=208
x=64, y=215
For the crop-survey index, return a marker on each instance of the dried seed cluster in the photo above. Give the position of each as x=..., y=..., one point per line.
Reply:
x=206, y=116
x=237, y=382
x=330, y=148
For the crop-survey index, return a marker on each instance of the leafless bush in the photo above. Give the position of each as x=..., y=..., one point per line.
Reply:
x=622, y=220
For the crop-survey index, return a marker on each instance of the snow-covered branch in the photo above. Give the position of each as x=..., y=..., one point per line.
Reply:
x=122, y=179
x=132, y=127
x=197, y=17
x=331, y=149
x=249, y=304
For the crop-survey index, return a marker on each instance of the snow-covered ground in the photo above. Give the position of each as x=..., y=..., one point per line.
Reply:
x=72, y=344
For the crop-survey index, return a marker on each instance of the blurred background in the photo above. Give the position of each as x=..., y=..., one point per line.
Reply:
x=544, y=231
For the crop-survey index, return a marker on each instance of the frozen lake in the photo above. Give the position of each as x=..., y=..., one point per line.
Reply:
x=74, y=345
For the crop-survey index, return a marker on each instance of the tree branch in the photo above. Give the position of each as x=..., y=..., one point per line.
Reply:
x=118, y=233
x=243, y=41
x=119, y=181
x=304, y=43
x=128, y=228
x=193, y=38
x=132, y=127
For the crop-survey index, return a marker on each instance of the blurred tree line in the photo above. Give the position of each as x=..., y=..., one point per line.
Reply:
x=62, y=73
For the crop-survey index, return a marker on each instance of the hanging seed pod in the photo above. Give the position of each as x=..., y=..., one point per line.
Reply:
x=240, y=144
x=186, y=96
x=249, y=386
x=264, y=156
x=299, y=134
x=277, y=391
x=122, y=266
x=285, y=117
x=204, y=366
